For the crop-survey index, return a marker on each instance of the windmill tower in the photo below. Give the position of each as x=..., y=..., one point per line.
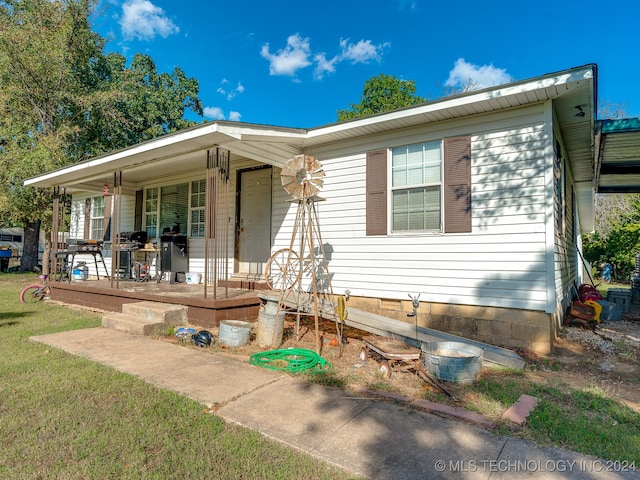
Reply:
x=301, y=272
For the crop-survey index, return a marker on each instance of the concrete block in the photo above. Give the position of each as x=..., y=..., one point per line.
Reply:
x=520, y=411
x=168, y=314
x=133, y=325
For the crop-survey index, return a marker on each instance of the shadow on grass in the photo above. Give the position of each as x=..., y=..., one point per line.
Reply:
x=6, y=317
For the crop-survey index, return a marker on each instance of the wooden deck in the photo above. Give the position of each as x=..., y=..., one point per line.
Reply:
x=240, y=303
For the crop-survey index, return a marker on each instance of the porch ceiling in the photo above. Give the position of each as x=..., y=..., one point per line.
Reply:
x=618, y=156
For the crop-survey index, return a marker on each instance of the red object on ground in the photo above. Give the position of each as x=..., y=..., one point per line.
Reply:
x=589, y=292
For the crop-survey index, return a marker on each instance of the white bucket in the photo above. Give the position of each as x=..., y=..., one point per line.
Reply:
x=192, y=278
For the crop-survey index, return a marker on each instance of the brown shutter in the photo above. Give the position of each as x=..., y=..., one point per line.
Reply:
x=377, y=192
x=87, y=218
x=138, y=211
x=457, y=185
x=106, y=223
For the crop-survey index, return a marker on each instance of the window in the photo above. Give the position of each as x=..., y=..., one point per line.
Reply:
x=430, y=188
x=151, y=212
x=97, y=218
x=198, y=198
x=175, y=208
x=416, y=182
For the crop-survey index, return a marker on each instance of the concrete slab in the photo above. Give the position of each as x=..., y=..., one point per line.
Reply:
x=377, y=439
x=369, y=437
x=209, y=379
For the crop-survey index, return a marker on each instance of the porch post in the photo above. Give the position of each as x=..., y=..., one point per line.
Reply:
x=115, y=230
x=216, y=219
x=53, y=261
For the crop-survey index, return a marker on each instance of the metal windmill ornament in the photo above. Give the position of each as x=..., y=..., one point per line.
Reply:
x=302, y=176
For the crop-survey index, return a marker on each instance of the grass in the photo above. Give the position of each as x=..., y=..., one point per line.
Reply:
x=65, y=417
x=587, y=420
x=76, y=419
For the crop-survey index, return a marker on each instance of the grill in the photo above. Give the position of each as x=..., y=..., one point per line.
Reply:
x=129, y=243
x=76, y=245
x=132, y=240
x=173, y=256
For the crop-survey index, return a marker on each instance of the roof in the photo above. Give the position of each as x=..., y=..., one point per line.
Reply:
x=618, y=155
x=156, y=159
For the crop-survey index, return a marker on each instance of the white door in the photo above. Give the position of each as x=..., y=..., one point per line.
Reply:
x=254, y=239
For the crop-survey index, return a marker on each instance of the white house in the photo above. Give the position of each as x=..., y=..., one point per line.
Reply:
x=476, y=202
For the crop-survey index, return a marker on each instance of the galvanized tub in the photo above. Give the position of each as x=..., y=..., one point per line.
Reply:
x=452, y=361
x=234, y=333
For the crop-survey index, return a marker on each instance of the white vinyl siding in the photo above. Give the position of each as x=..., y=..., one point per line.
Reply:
x=502, y=263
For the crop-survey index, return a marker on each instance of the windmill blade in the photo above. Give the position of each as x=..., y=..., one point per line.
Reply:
x=302, y=176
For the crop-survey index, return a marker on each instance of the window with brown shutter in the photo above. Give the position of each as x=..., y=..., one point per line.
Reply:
x=422, y=174
x=376, y=202
x=457, y=185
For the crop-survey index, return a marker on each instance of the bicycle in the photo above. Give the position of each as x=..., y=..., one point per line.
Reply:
x=36, y=293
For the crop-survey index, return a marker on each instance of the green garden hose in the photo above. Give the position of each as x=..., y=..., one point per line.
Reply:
x=292, y=360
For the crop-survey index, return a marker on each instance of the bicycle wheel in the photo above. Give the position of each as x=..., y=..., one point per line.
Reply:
x=33, y=294
x=282, y=270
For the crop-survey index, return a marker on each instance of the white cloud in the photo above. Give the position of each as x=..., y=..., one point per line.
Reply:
x=227, y=92
x=323, y=65
x=361, y=52
x=288, y=60
x=481, y=76
x=296, y=55
x=216, y=113
x=143, y=20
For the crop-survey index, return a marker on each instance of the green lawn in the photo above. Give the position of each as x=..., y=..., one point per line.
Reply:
x=65, y=417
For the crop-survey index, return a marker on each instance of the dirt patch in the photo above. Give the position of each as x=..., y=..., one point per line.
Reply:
x=607, y=359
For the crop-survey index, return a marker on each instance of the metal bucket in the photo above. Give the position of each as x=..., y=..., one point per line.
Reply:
x=269, y=303
x=234, y=333
x=452, y=361
x=270, y=328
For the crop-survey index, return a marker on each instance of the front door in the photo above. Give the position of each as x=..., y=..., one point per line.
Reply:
x=254, y=229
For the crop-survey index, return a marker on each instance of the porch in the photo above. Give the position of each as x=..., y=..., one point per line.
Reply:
x=236, y=301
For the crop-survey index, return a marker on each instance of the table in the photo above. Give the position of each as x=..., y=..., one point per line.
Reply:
x=64, y=255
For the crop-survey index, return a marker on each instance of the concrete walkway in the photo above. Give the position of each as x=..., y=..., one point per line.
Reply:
x=372, y=438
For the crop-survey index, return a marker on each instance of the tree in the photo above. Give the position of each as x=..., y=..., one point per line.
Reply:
x=62, y=101
x=382, y=93
x=44, y=47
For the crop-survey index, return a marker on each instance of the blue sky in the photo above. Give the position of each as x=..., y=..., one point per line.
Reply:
x=295, y=63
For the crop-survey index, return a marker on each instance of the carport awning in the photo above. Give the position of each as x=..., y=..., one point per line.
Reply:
x=618, y=156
